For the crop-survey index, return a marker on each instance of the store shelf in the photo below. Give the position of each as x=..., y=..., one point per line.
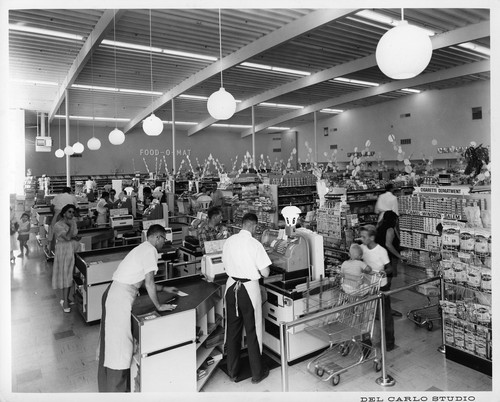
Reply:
x=419, y=231
x=202, y=355
x=201, y=382
x=414, y=248
x=300, y=185
x=468, y=359
x=294, y=195
x=296, y=204
x=371, y=190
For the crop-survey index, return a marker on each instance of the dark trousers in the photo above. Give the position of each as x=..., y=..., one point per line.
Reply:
x=235, y=325
x=388, y=318
x=109, y=380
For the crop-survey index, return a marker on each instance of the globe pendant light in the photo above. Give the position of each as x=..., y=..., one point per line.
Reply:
x=115, y=137
x=221, y=104
x=59, y=152
x=68, y=150
x=152, y=125
x=404, y=51
x=94, y=143
x=78, y=147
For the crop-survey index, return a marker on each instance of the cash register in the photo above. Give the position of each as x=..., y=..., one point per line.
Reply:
x=211, y=263
x=120, y=218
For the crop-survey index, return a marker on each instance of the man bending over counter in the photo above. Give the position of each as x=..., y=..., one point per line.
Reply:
x=116, y=342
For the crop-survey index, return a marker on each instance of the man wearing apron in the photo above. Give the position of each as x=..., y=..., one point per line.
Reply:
x=245, y=261
x=116, y=343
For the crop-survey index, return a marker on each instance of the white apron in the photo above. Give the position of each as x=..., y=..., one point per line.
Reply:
x=118, y=341
x=253, y=290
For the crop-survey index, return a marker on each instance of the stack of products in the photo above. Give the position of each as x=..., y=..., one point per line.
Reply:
x=336, y=225
x=293, y=179
x=30, y=184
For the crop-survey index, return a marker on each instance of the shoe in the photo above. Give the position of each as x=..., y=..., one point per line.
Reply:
x=390, y=347
x=264, y=376
x=396, y=313
x=66, y=310
x=233, y=379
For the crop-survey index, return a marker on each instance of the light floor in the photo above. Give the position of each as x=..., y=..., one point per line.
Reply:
x=55, y=352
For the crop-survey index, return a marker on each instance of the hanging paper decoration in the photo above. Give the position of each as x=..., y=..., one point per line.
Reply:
x=147, y=168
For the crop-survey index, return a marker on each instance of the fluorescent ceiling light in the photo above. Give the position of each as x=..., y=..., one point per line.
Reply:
x=35, y=82
x=48, y=32
x=187, y=123
x=331, y=111
x=476, y=48
x=384, y=19
x=109, y=89
x=62, y=116
x=282, y=105
x=133, y=46
x=411, y=90
x=196, y=97
x=278, y=128
x=231, y=125
x=356, y=82
x=275, y=69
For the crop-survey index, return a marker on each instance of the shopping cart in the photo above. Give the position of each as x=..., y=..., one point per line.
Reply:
x=425, y=316
x=348, y=331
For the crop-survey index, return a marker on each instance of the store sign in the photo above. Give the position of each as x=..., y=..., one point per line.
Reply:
x=166, y=152
x=359, y=154
x=443, y=190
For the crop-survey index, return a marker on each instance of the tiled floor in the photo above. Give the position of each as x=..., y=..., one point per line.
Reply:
x=56, y=352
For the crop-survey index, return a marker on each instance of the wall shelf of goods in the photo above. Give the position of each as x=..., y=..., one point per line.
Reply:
x=422, y=212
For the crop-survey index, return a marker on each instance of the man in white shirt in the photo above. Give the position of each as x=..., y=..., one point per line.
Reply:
x=386, y=202
x=245, y=261
x=376, y=257
x=116, y=342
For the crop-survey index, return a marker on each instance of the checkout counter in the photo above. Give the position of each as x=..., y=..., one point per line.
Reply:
x=177, y=351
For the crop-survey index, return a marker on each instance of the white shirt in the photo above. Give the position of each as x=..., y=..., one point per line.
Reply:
x=61, y=200
x=376, y=259
x=386, y=202
x=243, y=256
x=100, y=207
x=137, y=263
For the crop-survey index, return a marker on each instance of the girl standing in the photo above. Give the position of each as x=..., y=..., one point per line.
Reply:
x=24, y=233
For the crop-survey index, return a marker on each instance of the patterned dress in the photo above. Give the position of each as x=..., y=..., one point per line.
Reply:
x=64, y=260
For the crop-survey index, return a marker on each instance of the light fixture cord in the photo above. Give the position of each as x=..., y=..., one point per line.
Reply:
x=151, y=59
x=220, y=50
x=92, y=90
x=59, y=128
x=116, y=88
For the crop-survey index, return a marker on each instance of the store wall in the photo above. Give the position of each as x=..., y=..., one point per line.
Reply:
x=444, y=115
x=137, y=149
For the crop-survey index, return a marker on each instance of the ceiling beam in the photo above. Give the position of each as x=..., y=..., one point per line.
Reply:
x=449, y=38
x=292, y=30
x=422, y=79
x=93, y=41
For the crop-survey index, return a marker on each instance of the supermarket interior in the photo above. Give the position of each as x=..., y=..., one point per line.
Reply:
x=217, y=200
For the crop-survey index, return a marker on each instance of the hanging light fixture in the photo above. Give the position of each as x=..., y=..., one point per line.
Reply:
x=94, y=143
x=221, y=104
x=152, y=125
x=59, y=152
x=116, y=137
x=404, y=51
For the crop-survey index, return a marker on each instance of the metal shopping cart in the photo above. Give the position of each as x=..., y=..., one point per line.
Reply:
x=426, y=315
x=349, y=330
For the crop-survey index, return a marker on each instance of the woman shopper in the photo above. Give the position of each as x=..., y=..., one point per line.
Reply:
x=65, y=233
x=388, y=238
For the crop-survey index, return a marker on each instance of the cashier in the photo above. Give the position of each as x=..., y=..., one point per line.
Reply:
x=116, y=342
x=245, y=261
x=213, y=229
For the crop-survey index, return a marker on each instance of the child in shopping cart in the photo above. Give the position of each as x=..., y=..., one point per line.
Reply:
x=353, y=272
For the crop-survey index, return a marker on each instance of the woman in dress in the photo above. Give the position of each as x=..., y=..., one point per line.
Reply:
x=65, y=233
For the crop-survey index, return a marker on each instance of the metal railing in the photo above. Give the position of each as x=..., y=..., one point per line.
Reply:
x=385, y=380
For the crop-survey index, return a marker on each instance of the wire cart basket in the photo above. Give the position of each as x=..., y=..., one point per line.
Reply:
x=349, y=330
x=426, y=315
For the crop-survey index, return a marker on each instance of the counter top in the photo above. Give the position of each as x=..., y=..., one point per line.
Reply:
x=198, y=290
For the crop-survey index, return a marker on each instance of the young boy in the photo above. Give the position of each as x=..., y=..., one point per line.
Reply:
x=352, y=270
x=24, y=233
x=377, y=258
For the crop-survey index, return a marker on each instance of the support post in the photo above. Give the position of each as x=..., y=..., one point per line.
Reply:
x=68, y=165
x=386, y=380
x=284, y=356
x=253, y=135
x=442, y=348
x=315, y=137
x=173, y=138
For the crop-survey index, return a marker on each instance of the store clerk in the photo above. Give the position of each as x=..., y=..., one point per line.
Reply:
x=116, y=342
x=212, y=229
x=245, y=261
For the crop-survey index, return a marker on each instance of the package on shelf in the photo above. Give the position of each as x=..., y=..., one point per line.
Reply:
x=451, y=237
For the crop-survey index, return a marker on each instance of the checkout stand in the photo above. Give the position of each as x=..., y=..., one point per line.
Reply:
x=177, y=350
